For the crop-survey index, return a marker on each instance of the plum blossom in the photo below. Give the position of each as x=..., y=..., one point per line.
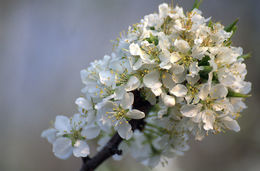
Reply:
x=119, y=113
x=175, y=73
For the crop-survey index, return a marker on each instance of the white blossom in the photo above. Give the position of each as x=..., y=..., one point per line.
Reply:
x=179, y=63
x=119, y=113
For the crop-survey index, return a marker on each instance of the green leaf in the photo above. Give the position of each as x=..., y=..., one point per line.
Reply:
x=153, y=39
x=232, y=93
x=152, y=28
x=210, y=24
x=215, y=78
x=204, y=74
x=204, y=61
x=196, y=4
x=245, y=56
x=207, y=69
x=234, y=30
x=231, y=27
x=228, y=42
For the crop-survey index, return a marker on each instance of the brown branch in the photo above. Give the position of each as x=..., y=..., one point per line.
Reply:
x=111, y=148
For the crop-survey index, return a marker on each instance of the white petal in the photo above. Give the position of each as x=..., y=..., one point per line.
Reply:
x=77, y=121
x=167, y=80
x=83, y=103
x=208, y=119
x=177, y=69
x=231, y=124
x=175, y=56
x=204, y=92
x=151, y=19
x=151, y=80
x=190, y=110
x=90, y=132
x=117, y=157
x=50, y=134
x=102, y=142
x=119, y=93
x=117, y=66
x=182, y=45
x=101, y=104
x=168, y=100
x=62, y=123
x=91, y=116
x=127, y=100
x=107, y=78
x=165, y=65
x=150, y=97
x=197, y=118
x=226, y=78
x=246, y=87
x=102, y=116
x=179, y=90
x=199, y=52
x=189, y=99
x=124, y=129
x=135, y=114
x=138, y=64
x=194, y=69
x=152, y=161
x=218, y=91
x=134, y=49
x=238, y=104
x=157, y=91
x=222, y=104
x=192, y=79
x=84, y=74
x=179, y=78
x=81, y=149
x=62, y=148
x=132, y=84
x=163, y=10
x=199, y=135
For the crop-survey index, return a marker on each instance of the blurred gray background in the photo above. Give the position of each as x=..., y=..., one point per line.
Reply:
x=45, y=43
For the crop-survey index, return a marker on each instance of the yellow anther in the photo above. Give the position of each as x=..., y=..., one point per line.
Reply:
x=163, y=76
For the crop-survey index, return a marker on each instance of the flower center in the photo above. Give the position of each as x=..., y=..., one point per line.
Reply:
x=187, y=60
x=122, y=78
x=207, y=103
x=192, y=90
x=117, y=114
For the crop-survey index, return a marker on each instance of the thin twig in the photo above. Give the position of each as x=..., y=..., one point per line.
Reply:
x=111, y=148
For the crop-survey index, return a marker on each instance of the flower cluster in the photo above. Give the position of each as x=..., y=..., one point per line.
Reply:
x=183, y=64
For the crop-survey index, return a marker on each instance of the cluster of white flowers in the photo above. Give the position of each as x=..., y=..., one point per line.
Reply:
x=182, y=64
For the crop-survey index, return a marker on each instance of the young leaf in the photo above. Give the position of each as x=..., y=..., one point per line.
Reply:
x=232, y=26
x=232, y=93
x=196, y=4
x=210, y=24
x=215, y=78
x=245, y=56
x=204, y=74
x=204, y=61
x=153, y=39
x=229, y=42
